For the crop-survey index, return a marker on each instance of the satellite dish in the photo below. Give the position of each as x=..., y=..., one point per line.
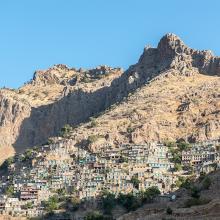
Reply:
x=173, y=197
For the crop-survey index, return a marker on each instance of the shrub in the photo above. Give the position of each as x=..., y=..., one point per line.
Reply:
x=195, y=192
x=202, y=176
x=7, y=163
x=130, y=129
x=75, y=202
x=65, y=130
x=94, y=216
x=49, y=141
x=28, y=154
x=169, y=211
x=195, y=101
x=94, y=123
x=186, y=184
x=93, y=138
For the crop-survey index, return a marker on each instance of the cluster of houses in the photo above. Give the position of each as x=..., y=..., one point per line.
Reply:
x=85, y=175
x=203, y=157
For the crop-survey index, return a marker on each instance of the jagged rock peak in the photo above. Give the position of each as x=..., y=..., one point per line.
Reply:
x=171, y=45
x=172, y=42
x=51, y=75
x=171, y=52
x=62, y=74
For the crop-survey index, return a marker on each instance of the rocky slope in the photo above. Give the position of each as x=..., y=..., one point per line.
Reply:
x=171, y=93
x=170, y=107
x=209, y=211
x=55, y=97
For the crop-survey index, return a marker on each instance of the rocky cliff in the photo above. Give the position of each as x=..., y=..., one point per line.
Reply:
x=171, y=93
x=55, y=97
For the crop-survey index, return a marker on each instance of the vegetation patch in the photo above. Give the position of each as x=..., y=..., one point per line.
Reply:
x=93, y=138
x=65, y=130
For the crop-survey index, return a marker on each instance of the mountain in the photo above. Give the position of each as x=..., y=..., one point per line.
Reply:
x=171, y=93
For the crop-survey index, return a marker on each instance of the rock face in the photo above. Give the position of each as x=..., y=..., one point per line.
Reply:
x=53, y=98
x=173, y=53
x=12, y=113
x=175, y=94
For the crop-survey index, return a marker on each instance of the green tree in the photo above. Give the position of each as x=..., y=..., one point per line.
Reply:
x=128, y=201
x=180, y=181
x=151, y=193
x=176, y=158
x=29, y=205
x=177, y=167
x=135, y=181
x=131, y=202
x=9, y=191
x=52, y=204
x=170, y=144
x=109, y=202
x=183, y=146
x=187, y=183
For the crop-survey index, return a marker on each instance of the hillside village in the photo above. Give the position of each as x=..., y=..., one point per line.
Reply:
x=113, y=151
x=106, y=114
x=61, y=168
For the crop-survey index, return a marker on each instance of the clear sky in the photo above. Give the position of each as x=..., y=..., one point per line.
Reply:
x=36, y=34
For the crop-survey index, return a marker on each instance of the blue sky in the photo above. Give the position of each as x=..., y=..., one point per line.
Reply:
x=86, y=33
